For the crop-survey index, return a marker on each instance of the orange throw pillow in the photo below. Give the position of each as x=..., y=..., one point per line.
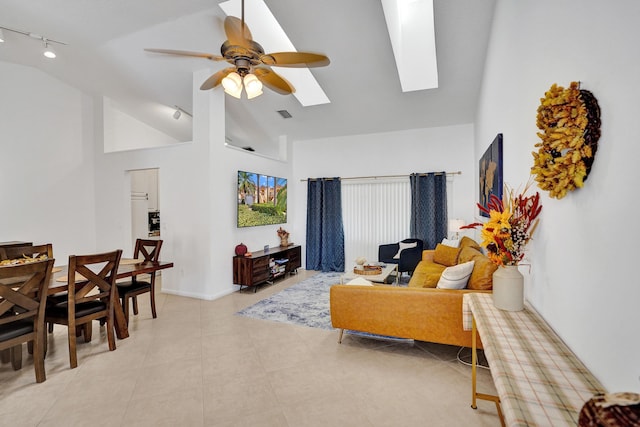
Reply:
x=446, y=255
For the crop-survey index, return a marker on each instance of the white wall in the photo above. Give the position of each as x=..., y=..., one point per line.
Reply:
x=46, y=167
x=198, y=196
x=583, y=278
x=396, y=153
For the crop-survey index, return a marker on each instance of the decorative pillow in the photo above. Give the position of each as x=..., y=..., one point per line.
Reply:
x=482, y=275
x=431, y=280
x=456, y=277
x=359, y=281
x=454, y=243
x=445, y=255
x=467, y=241
x=404, y=246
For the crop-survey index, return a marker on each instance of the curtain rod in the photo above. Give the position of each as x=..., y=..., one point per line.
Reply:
x=385, y=176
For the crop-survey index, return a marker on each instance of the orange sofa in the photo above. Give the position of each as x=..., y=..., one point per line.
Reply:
x=417, y=312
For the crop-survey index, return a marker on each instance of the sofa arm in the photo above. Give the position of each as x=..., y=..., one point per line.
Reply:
x=427, y=255
x=433, y=315
x=387, y=252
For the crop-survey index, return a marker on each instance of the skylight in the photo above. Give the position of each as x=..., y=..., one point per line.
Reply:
x=267, y=31
x=412, y=34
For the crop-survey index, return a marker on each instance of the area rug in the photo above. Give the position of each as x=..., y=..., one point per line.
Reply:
x=305, y=303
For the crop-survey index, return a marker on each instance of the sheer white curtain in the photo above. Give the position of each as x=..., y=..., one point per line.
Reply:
x=374, y=212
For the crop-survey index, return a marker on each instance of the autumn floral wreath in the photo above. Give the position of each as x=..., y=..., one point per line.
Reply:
x=569, y=123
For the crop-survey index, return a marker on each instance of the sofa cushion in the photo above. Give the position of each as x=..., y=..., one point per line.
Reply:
x=426, y=275
x=482, y=275
x=446, y=255
x=467, y=241
x=456, y=277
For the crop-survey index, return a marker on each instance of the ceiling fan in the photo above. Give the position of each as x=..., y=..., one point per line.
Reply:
x=250, y=62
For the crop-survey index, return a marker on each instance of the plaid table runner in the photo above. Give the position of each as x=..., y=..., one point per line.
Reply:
x=540, y=382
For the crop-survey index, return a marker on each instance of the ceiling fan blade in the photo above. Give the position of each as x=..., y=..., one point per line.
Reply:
x=187, y=53
x=237, y=33
x=273, y=81
x=216, y=78
x=295, y=59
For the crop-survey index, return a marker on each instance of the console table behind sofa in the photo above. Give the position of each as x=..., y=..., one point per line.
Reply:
x=540, y=382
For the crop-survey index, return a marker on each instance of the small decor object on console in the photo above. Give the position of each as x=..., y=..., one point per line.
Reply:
x=511, y=225
x=284, y=237
x=241, y=249
x=569, y=120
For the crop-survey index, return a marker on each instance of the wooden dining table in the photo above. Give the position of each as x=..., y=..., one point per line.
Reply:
x=126, y=268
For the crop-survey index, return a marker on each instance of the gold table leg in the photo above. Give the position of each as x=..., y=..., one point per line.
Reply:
x=474, y=362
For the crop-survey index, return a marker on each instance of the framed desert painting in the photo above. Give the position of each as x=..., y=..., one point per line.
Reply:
x=491, y=172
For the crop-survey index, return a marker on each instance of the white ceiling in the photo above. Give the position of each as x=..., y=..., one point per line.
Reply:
x=104, y=56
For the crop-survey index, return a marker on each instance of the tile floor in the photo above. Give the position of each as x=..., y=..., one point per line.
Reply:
x=199, y=364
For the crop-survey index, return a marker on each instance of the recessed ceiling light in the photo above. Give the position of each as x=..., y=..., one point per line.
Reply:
x=265, y=27
x=412, y=33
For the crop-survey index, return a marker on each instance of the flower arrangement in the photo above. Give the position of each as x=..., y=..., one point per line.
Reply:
x=511, y=225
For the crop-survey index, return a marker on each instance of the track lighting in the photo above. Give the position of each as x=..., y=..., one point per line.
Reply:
x=47, y=51
x=178, y=113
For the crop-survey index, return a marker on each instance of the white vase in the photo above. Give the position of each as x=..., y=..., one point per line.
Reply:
x=508, y=288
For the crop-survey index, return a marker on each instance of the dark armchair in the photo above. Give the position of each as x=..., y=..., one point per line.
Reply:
x=407, y=259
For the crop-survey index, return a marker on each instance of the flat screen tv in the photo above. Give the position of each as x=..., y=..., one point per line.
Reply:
x=262, y=199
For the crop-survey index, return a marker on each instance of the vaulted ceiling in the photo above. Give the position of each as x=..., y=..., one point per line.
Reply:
x=104, y=56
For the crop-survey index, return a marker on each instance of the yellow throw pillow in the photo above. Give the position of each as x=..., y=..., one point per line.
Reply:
x=483, y=269
x=431, y=280
x=467, y=241
x=446, y=255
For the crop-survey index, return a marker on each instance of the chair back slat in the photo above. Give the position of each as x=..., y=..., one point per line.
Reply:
x=23, y=296
x=148, y=248
x=97, y=285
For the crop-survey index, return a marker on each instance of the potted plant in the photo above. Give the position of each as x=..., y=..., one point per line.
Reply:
x=512, y=222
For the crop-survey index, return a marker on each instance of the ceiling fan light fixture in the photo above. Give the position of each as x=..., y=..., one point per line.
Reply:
x=232, y=84
x=252, y=85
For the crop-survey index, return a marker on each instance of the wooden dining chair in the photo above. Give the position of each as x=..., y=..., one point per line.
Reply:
x=26, y=251
x=23, y=294
x=150, y=250
x=91, y=295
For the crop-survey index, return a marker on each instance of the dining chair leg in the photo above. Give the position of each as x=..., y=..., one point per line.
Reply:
x=38, y=355
x=111, y=333
x=87, y=331
x=125, y=306
x=50, y=327
x=5, y=355
x=153, y=302
x=73, y=357
x=135, y=305
x=30, y=347
x=16, y=357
